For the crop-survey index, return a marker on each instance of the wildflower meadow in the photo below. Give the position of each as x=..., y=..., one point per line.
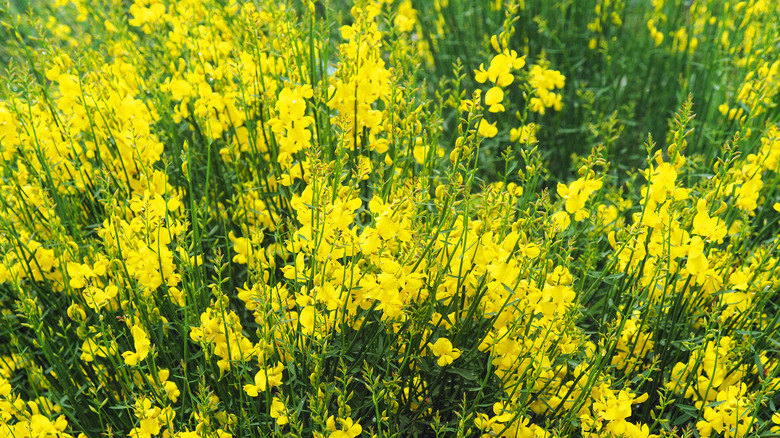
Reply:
x=389, y=218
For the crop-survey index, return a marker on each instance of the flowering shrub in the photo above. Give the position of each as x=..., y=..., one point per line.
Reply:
x=269, y=218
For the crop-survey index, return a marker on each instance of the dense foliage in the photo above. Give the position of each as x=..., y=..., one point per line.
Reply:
x=389, y=218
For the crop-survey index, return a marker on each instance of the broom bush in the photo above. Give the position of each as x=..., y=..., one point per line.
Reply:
x=382, y=218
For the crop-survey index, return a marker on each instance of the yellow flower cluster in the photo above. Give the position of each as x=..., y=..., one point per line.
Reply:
x=238, y=219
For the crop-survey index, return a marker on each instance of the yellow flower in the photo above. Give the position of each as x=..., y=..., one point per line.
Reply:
x=279, y=411
x=662, y=182
x=526, y=134
x=560, y=220
x=501, y=67
x=349, y=429
x=697, y=260
x=493, y=98
x=267, y=378
x=576, y=194
x=307, y=319
x=78, y=274
x=709, y=227
x=142, y=344
x=747, y=193
x=444, y=351
x=149, y=419
x=41, y=426
x=406, y=18
x=486, y=129
x=180, y=89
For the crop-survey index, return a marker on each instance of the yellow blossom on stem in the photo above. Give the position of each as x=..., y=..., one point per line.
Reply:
x=500, y=70
x=576, y=194
x=267, y=378
x=444, y=351
x=348, y=429
x=142, y=346
x=709, y=227
x=486, y=129
x=279, y=411
x=493, y=99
